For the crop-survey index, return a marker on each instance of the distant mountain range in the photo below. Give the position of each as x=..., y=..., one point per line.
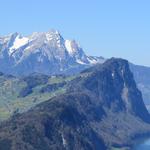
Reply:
x=43, y=52
x=141, y=75
x=100, y=109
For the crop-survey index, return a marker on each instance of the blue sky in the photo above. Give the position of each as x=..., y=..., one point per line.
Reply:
x=109, y=28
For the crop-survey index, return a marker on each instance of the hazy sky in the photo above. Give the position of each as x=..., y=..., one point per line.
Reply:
x=118, y=28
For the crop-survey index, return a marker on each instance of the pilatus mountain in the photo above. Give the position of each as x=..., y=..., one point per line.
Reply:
x=47, y=53
x=101, y=109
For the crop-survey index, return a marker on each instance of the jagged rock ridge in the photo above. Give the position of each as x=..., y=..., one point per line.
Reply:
x=42, y=52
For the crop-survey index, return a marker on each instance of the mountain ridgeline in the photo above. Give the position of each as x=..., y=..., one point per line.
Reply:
x=114, y=85
x=101, y=109
x=42, y=52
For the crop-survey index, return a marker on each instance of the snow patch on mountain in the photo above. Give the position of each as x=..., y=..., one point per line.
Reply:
x=19, y=42
x=80, y=62
x=69, y=47
x=49, y=37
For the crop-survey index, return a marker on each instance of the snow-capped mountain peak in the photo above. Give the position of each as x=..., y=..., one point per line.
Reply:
x=44, y=52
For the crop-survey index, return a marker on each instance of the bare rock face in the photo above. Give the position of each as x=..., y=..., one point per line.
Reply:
x=102, y=109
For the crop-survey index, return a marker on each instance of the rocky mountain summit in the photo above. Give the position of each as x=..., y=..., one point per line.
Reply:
x=42, y=52
x=101, y=109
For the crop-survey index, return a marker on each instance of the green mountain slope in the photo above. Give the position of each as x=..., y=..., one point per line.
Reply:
x=21, y=94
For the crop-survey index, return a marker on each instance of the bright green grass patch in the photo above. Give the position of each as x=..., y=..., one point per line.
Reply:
x=10, y=102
